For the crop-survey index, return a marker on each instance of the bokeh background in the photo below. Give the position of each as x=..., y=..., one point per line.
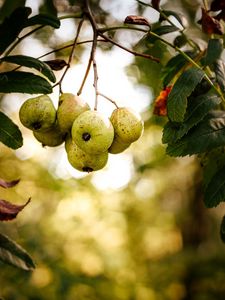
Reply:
x=136, y=230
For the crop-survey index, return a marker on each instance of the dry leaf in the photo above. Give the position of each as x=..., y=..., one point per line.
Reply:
x=210, y=25
x=161, y=102
x=9, y=211
x=136, y=20
x=8, y=184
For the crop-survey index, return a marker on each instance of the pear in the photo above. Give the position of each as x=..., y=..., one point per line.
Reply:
x=117, y=146
x=70, y=107
x=52, y=138
x=92, y=132
x=84, y=161
x=38, y=113
x=127, y=124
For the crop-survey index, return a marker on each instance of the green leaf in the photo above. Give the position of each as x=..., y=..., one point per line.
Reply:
x=219, y=69
x=215, y=190
x=183, y=87
x=13, y=254
x=214, y=51
x=48, y=7
x=174, y=14
x=174, y=65
x=12, y=26
x=161, y=30
x=10, y=134
x=31, y=62
x=208, y=134
x=43, y=19
x=9, y=6
x=23, y=82
x=222, y=229
x=197, y=109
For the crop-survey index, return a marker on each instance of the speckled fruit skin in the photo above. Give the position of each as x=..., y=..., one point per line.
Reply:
x=70, y=107
x=92, y=132
x=38, y=114
x=118, y=146
x=127, y=124
x=52, y=138
x=84, y=161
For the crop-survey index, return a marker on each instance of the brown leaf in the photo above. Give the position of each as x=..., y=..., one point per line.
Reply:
x=160, y=104
x=8, y=184
x=56, y=64
x=155, y=4
x=210, y=25
x=217, y=5
x=136, y=20
x=9, y=211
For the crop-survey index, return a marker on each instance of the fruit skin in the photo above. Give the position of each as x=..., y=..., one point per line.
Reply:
x=70, y=107
x=117, y=146
x=127, y=124
x=38, y=113
x=92, y=132
x=83, y=161
x=52, y=138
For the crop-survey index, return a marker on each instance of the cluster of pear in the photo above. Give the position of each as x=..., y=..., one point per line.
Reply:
x=89, y=136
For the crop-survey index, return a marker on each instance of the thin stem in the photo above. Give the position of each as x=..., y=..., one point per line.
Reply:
x=105, y=29
x=109, y=99
x=71, y=55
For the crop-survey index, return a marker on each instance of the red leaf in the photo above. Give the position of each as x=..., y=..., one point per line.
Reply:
x=210, y=25
x=161, y=102
x=56, y=64
x=155, y=4
x=8, y=184
x=217, y=5
x=9, y=211
x=136, y=20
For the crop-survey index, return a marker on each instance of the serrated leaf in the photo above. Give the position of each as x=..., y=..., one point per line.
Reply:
x=214, y=51
x=10, y=134
x=174, y=14
x=30, y=62
x=183, y=87
x=219, y=69
x=173, y=66
x=197, y=109
x=13, y=254
x=43, y=19
x=222, y=229
x=215, y=190
x=23, y=82
x=207, y=135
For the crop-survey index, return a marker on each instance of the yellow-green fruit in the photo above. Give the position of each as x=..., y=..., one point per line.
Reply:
x=70, y=107
x=92, y=132
x=38, y=113
x=117, y=146
x=52, y=138
x=84, y=161
x=127, y=124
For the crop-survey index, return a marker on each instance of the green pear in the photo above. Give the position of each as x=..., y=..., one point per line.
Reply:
x=92, y=132
x=38, y=113
x=52, y=138
x=70, y=107
x=127, y=124
x=117, y=146
x=84, y=161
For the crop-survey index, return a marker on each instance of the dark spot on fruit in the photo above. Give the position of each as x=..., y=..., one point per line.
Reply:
x=87, y=169
x=86, y=136
x=36, y=125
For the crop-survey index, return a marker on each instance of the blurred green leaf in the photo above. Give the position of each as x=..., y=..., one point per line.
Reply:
x=43, y=19
x=183, y=87
x=48, y=7
x=14, y=254
x=10, y=134
x=161, y=30
x=219, y=69
x=23, y=82
x=9, y=6
x=208, y=134
x=214, y=51
x=31, y=62
x=174, y=14
x=12, y=26
x=197, y=109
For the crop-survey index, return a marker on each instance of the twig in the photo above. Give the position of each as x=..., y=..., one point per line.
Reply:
x=109, y=99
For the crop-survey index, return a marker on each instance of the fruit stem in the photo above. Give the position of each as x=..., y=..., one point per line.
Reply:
x=109, y=99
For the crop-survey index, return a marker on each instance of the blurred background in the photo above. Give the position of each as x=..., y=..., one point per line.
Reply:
x=136, y=230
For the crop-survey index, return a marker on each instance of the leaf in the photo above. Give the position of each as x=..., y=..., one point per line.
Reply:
x=217, y=5
x=219, y=69
x=215, y=190
x=48, y=7
x=222, y=229
x=155, y=4
x=13, y=254
x=197, y=109
x=161, y=30
x=210, y=25
x=9, y=6
x=43, y=19
x=23, y=82
x=214, y=51
x=56, y=64
x=10, y=134
x=183, y=87
x=12, y=26
x=207, y=135
x=31, y=62
x=9, y=211
x=172, y=13
x=8, y=184
x=136, y=20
